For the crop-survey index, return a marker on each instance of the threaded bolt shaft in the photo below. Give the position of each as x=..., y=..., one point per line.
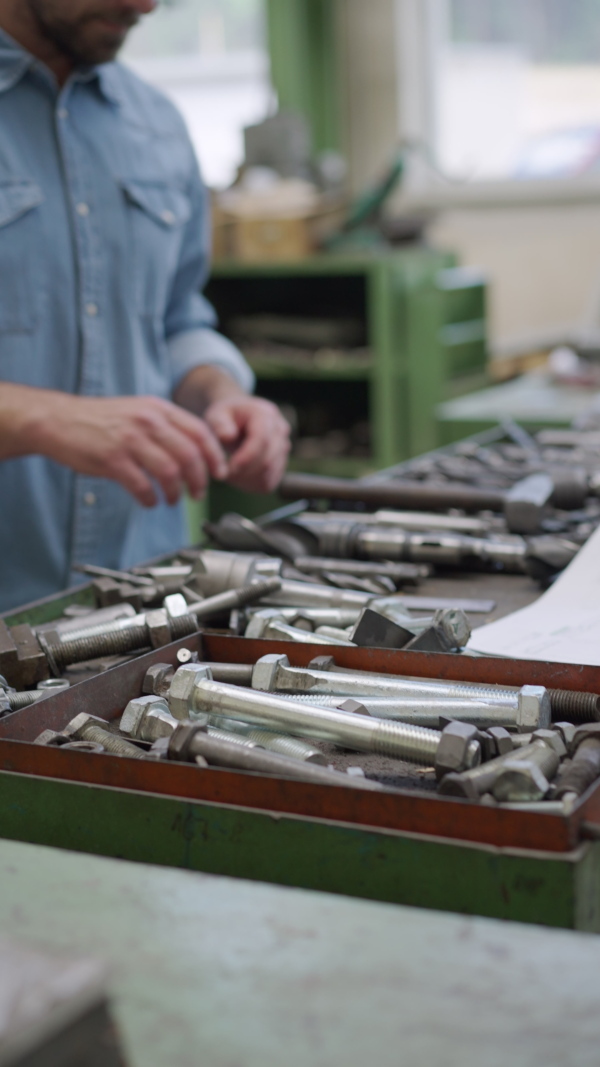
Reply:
x=574, y=707
x=60, y=655
x=287, y=746
x=183, y=626
x=18, y=701
x=112, y=743
x=234, y=739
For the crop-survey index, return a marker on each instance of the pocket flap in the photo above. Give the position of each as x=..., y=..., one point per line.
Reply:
x=164, y=203
x=17, y=198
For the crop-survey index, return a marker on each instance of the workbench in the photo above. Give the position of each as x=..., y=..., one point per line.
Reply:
x=212, y=971
x=533, y=400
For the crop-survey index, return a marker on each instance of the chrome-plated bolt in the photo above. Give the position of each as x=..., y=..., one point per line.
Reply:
x=273, y=673
x=89, y=728
x=419, y=711
x=359, y=732
x=191, y=741
x=148, y=718
x=285, y=746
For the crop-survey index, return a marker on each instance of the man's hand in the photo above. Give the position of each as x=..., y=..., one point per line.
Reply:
x=139, y=442
x=257, y=437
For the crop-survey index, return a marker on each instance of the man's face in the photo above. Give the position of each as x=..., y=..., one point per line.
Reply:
x=88, y=31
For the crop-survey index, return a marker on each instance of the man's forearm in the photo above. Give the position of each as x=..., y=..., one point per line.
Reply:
x=204, y=386
x=23, y=410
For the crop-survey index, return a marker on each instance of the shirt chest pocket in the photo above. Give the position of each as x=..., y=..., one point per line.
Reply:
x=20, y=241
x=157, y=216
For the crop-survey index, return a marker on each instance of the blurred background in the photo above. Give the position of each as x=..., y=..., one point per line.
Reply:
x=466, y=129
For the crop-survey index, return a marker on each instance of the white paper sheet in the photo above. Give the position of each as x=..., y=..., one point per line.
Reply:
x=563, y=625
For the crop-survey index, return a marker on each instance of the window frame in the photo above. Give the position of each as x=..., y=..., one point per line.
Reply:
x=419, y=27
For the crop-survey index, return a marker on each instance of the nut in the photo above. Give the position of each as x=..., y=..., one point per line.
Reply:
x=590, y=729
x=265, y=671
x=147, y=718
x=553, y=739
x=567, y=731
x=157, y=679
x=520, y=780
x=454, y=752
x=502, y=740
x=180, y=697
x=159, y=628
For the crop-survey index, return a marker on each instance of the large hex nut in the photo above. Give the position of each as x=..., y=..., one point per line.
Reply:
x=136, y=713
x=266, y=669
x=553, y=739
x=520, y=780
x=534, y=708
x=157, y=679
x=181, y=693
x=458, y=749
x=159, y=628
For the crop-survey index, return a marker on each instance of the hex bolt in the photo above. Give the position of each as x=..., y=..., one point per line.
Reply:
x=148, y=718
x=89, y=728
x=18, y=701
x=488, y=778
x=191, y=741
x=286, y=746
x=132, y=639
x=584, y=768
x=420, y=711
x=454, y=747
x=273, y=673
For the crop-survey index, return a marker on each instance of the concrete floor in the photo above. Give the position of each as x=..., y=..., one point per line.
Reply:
x=226, y=973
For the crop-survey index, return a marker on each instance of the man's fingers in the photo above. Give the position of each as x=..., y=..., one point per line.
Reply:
x=223, y=424
x=132, y=478
x=160, y=466
x=204, y=438
x=190, y=457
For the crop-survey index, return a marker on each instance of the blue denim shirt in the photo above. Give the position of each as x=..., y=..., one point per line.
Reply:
x=104, y=236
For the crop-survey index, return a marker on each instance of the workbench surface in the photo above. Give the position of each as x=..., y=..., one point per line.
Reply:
x=227, y=973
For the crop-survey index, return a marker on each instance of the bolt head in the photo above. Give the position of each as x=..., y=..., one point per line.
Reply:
x=520, y=780
x=458, y=749
x=454, y=624
x=553, y=739
x=567, y=731
x=502, y=740
x=175, y=604
x=74, y=728
x=534, y=711
x=136, y=713
x=159, y=628
x=181, y=693
x=157, y=679
x=266, y=669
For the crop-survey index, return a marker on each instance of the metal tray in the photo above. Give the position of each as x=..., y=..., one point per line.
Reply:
x=398, y=846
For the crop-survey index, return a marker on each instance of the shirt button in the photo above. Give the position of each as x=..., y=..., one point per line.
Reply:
x=89, y=499
x=91, y=310
x=83, y=210
x=62, y=113
x=168, y=217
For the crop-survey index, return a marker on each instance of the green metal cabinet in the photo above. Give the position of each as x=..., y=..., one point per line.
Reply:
x=425, y=325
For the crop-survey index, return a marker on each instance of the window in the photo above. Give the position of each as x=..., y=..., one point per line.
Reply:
x=505, y=90
x=210, y=57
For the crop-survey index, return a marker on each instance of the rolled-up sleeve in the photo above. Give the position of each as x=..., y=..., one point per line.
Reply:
x=192, y=339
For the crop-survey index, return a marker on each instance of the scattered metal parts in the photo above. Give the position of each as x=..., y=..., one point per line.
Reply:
x=89, y=728
x=584, y=767
x=521, y=775
x=207, y=697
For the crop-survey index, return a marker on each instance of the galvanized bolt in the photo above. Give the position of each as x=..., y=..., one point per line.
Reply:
x=191, y=741
x=132, y=639
x=89, y=728
x=201, y=694
x=273, y=673
x=285, y=746
x=525, y=772
x=420, y=711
